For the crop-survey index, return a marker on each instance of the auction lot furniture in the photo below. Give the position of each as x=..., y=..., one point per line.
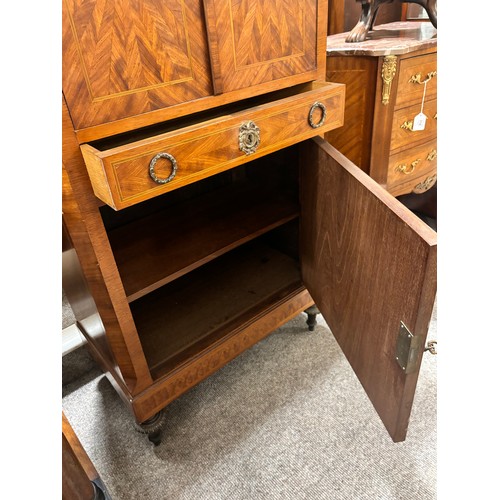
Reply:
x=202, y=208
x=390, y=79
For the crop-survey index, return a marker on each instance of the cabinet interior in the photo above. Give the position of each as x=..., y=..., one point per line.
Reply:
x=201, y=261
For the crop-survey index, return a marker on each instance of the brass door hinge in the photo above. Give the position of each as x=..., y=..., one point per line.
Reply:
x=408, y=348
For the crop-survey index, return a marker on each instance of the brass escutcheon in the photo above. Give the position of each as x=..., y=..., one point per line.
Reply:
x=249, y=137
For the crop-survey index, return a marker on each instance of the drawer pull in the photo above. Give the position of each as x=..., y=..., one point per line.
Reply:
x=416, y=78
x=432, y=155
x=425, y=185
x=404, y=168
x=321, y=106
x=407, y=125
x=152, y=164
x=249, y=137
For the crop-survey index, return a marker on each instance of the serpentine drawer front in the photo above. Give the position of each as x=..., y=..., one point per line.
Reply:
x=403, y=135
x=414, y=72
x=128, y=174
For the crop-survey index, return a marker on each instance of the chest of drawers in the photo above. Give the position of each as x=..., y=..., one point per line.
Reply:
x=390, y=79
x=202, y=210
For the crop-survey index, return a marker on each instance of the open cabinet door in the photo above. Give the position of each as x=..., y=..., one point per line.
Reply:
x=370, y=266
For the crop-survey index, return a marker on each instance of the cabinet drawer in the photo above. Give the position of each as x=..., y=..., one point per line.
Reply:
x=413, y=72
x=123, y=175
x=409, y=166
x=403, y=135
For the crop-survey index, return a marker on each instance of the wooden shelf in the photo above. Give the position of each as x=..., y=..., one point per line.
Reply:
x=189, y=316
x=180, y=238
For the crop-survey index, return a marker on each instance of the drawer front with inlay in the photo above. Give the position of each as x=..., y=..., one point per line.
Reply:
x=406, y=167
x=125, y=175
x=414, y=72
x=403, y=132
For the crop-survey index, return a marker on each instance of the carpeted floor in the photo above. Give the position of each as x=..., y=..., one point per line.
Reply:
x=286, y=420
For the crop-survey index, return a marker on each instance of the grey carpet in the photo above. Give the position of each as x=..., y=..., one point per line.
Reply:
x=286, y=420
x=68, y=318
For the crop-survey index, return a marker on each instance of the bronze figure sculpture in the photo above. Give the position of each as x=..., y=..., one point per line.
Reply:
x=369, y=10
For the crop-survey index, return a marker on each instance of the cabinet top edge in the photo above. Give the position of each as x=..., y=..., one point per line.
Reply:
x=386, y=39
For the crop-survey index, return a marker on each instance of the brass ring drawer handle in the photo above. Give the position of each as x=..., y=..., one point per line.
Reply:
x=249, y=137
x=315, y=106
x=404, y=168
x=432, y=155
x=416, y=78
x=152, y=165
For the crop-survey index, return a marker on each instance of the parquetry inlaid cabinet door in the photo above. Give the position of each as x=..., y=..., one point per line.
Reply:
x=154, y=60
x=128, y=57
x=258, y=41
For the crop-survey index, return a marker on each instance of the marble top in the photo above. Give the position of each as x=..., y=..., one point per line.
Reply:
x=386, y=39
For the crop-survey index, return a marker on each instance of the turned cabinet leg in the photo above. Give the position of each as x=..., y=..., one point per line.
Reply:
x=311, y=312
x=152, y=427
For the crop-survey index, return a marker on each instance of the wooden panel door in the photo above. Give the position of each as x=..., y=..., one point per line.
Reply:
x=123, y=58
x=369, y=264
x=258, y=41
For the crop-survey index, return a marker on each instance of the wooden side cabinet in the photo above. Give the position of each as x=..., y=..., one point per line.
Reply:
x=390, y=79
x=198, y=235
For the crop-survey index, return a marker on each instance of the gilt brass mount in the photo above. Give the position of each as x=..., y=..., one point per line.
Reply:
x=425, y=185
x=432, y=155
x=388, y=72
x=417, y=78
x=408, y=125
x=404, y=167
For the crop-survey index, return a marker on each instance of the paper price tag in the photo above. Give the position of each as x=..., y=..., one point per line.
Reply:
x=419, y=122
